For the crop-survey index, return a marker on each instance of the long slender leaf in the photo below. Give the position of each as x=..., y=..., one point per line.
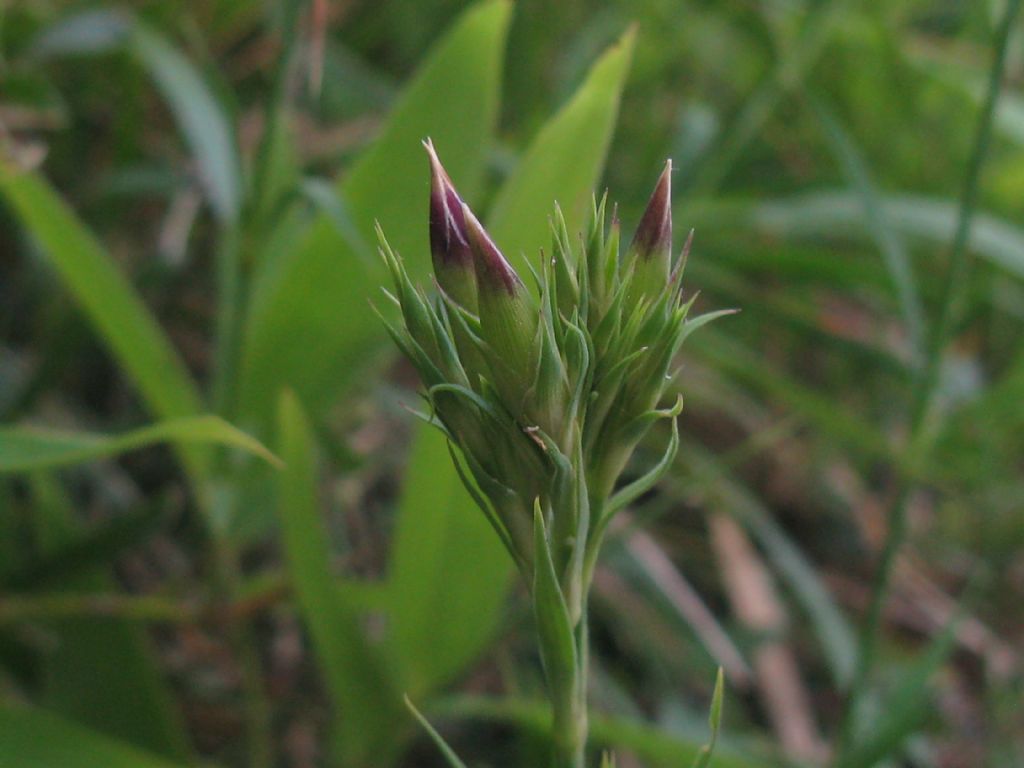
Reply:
x=449, y=754
x=703, y=759
x=201, y=118
x=368, y=709
x=28, y=448
x=110, y=303
x=894, y=254
x=829, y=213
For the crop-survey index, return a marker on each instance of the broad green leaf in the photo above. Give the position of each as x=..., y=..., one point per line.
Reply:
x=133, y=703
x=109, y=302
x=30, y=738
x=200, y=117
x=28, y=448
x=656, y=747
x=368, y=709
x=310, y=326
x=449, y=572
x=563, y=163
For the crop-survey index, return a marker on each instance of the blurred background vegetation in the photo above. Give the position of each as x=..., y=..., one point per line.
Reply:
x=187, y=197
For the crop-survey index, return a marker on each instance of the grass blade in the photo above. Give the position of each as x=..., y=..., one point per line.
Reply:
x=826, y=214
x=28, y=448
x=108, y=299
x=703, y=759
x=200, y=117
x=796, y=59
x=894, y=254
x=109, y=302
x=367, y=706
x=449, y=754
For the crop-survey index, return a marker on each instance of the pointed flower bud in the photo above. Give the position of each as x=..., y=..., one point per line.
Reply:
x=651, y=250
x=508, y=317
x=449, y=246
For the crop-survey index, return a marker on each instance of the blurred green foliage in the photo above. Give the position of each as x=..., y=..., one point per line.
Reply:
x=187, y=196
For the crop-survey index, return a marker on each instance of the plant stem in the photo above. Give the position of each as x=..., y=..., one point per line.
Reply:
x=570, y=726
x=951, y=299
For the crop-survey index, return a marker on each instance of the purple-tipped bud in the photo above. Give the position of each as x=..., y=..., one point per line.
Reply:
x=651, y=251
x=653, y=238
x=449, y=244
x=508, y=317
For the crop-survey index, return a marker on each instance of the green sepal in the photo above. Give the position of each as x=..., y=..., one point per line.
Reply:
x=630, y=493
x=701, y=320
x=578, y=354
x=567, y=288
x=550, y=383
x=593, y=268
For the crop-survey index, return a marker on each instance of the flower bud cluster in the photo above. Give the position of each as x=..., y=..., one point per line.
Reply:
x=545, y=393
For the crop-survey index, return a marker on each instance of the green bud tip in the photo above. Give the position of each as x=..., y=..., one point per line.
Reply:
x=654, y=234
x=684, y=255
x=492, y=270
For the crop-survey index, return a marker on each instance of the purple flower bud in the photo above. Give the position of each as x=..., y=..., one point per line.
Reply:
x=650, y=254
x=653, y=238
x=449, y=245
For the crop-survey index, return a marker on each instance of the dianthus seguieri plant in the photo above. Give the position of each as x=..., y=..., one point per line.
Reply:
x=544, y=395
